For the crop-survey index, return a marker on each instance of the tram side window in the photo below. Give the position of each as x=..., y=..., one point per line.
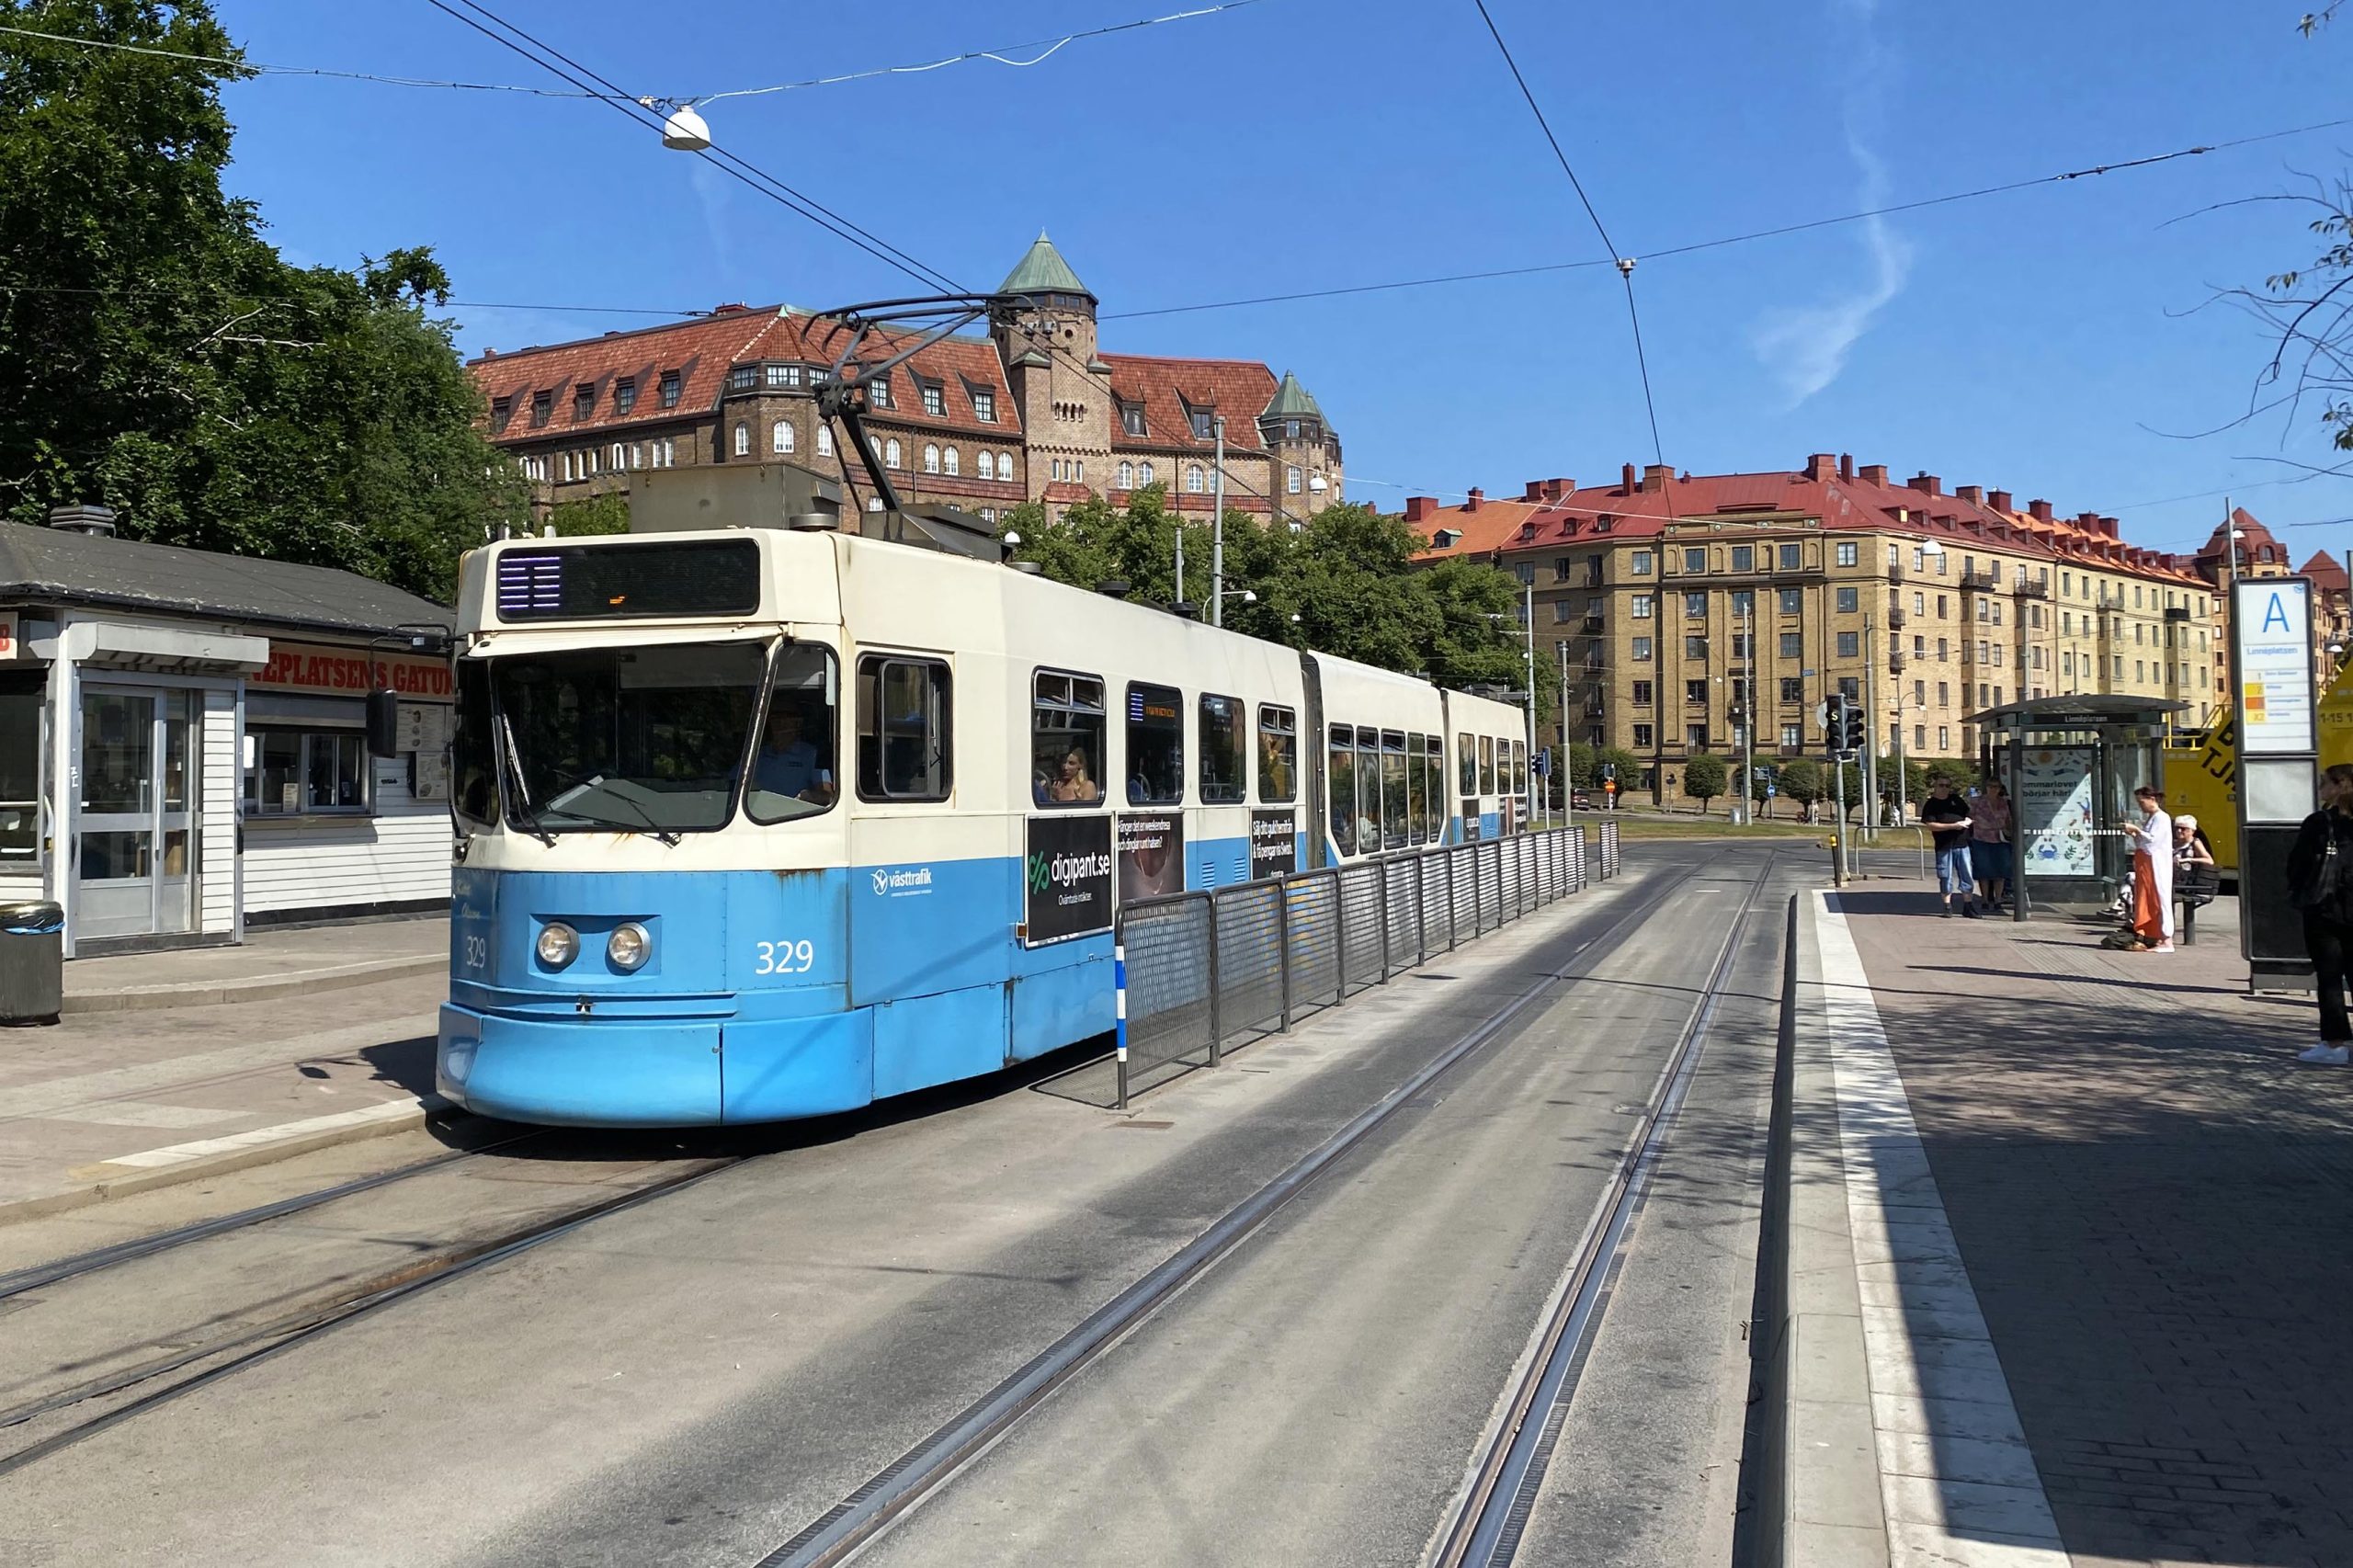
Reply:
x=1223, y=783
x=1417, y=788
x=903, y=729
x=793, y=769
x=1066, y=740
x=1393, y=826
x=1486, y=765
x=1155, y=745
x=1369, y=837
x=1468, y=757
x=474, y=763
x=1277, y=755
x=1438, y=814
x=1520, y=768
x=1340, y=776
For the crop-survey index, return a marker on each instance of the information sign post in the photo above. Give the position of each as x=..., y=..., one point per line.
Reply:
x=2271, y=692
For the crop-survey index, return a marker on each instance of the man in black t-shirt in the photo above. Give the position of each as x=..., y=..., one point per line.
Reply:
x=1946, y=816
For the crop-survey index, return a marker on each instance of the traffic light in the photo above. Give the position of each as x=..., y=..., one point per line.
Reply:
x=1855, y=731
x=1833, y=720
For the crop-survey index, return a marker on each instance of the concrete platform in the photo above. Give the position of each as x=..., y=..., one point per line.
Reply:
x=267, y=964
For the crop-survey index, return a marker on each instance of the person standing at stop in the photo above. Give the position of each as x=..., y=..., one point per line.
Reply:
x=2152, y=873
x=1946, y=815
x=2320, y=884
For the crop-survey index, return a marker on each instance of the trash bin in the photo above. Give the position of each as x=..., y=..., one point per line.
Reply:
x=32, y=963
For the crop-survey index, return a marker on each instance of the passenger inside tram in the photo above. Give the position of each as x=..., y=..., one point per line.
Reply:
x=1071, y=784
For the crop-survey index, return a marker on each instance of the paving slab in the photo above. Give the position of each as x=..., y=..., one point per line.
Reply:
x=269, y=964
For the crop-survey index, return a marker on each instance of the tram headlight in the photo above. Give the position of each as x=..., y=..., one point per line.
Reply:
x=558, y=944
x=630, y=945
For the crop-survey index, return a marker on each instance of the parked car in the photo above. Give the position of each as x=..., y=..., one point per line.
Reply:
x=1579, y=801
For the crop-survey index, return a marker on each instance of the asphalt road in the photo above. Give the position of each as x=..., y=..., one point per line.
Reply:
x=692, y=1381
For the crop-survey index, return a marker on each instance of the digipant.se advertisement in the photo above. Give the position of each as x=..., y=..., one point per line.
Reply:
x=1066, y=877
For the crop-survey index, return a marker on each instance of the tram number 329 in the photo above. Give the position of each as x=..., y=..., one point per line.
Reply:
x=786, y=958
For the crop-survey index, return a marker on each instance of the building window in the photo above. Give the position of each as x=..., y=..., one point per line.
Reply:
x=742, y=378
x=1944, y=738
x=1193, y=479
x=1563, y=611
x=1944, y=651
x=1695, y=560
x=952, y=462
x=1645, y=737
x=1850, y=644
x=1792, y=645
x=619, y=458
x=584, y=400
x=1290, y=429
x=1793, y=689
x=1143, y=474
x=904, y=730
x=672, y=388
x=1642, y=650
x=825, y=441
x=1792, y=737
x=743, y=439
x=1694, y=606
x=1850, y=600
x=891, y=453
x=780, y=436
x=502, y=411
x=1744, y=558
x=1792, y=601
x=1849, y=687
x=1638, y=564
x=1919, y=647
x=1054, y=469
x=1695, y=647
x=567, y=468
x=878, y=394
x=930, y=459
x=1849, y=552
x=1696, y=691
x=1791, y=560
x=542, y=408
x=1641, y=607
x=934, y=401
x=1132, y=419
x=1201, y=418
x=1005, y=468
x=776, y=376
x=1643, y=691
x=983, y=405
x=1155, y=745
x=1127, y=476
x=1695, y=737
x=302, y=771
x=987, y=467
x=1291, y=478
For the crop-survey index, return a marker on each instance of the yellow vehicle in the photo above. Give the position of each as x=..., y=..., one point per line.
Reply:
x=2201, y=774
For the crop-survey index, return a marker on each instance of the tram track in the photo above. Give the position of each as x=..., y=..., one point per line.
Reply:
x=868, y=1511
x=216, y=1358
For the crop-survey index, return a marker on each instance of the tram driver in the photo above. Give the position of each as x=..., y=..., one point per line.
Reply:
x=788, y=764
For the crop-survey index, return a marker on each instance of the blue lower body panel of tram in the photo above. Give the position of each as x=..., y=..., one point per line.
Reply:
x=768, y=994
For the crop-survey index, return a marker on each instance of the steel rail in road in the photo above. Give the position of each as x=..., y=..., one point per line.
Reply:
x=1493, y=1510
x=887, y=1497
x=64, y=1269
x=260, y=1344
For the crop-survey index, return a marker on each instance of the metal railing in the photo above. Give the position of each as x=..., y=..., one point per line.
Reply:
x=1197, y=971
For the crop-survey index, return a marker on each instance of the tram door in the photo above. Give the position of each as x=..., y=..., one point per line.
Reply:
x=134, y=863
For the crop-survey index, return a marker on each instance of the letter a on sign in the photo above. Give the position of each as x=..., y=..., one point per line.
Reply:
x=2274, y=614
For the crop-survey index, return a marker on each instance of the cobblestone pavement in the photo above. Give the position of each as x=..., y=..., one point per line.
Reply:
x=2151, y=1197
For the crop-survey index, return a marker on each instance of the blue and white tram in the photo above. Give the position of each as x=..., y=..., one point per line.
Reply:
x=756, y=825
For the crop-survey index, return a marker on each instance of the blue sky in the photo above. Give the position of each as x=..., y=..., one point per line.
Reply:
x=2045, y=341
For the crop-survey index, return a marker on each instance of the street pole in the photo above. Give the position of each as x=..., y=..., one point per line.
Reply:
x=1217, y=529
x=1870, y=824
x=1560, y=769
x=1748, y=713
x=1528, y=643
x=1180, y=558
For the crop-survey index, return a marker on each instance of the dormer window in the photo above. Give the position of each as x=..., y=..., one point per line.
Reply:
x=742, y=378
x=584, y=400
x=672, y=386
x=1445, y=538
x=1201, y=418
x=780, y=377
x=879, y=394
x=624, y=394
x=1290, y=429
x=502, y=410
x=934, y=400
x=542, y=408
x=983, y=404
x=1132, y=419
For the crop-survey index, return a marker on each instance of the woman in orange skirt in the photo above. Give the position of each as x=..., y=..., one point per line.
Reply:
x=2152, y=874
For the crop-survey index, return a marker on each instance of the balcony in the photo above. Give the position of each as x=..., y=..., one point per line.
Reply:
x=2034, y=589
x=1896, y=616
x=1978, y=580
x=1896, y=660
x=1895, y=572
x=1590, y=626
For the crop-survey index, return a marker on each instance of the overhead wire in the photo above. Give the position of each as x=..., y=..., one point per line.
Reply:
x=1624, y=263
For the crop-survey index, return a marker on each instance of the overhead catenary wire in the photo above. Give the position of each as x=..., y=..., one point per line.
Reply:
x=1624, y=263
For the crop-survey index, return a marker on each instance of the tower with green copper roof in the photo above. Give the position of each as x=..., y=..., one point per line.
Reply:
x=1306, y=468
x=1060, y=386
x=1043, y=271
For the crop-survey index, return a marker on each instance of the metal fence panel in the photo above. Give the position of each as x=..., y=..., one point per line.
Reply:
x=1401, y=882
x=1249, y=957
x=1491, y=885
x=1170, y=1016
x=1312, y=908
x=1360, y=940
x=1436, y=912
x=1462, y=868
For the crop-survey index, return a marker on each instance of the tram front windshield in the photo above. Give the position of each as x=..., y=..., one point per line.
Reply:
x=633, y=739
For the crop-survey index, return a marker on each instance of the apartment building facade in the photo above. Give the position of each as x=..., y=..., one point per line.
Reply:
x=1677, y=606
x=1031, y=411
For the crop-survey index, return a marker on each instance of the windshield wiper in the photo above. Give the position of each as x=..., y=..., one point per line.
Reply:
x=645, y=818
x=512, y=763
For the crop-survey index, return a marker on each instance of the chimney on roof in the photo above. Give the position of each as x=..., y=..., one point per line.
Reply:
x=1418, y=508
x=1626, y=478
x=1656, y=475
x=2039, y=511
x=1846, y=466
x=1926, y=483
x=1561, y=489
x=1478, y=498
x=490, y=353
x=1873, y=473
x=1822, y=467
x=729, y=309
x=1973, y=493
x=84, y=517
x=1535, y=491
x=1999, y=500
x=2109, y=526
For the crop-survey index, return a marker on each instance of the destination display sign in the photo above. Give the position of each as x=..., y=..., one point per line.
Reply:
x=1274, y=845
x=1066, y=877
x=628, y=580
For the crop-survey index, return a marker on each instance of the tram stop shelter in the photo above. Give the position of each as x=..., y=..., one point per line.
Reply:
x=2070, y=765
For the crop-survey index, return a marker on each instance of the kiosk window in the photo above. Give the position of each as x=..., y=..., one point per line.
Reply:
x=1223, y=782
x=1277, y=755
x=1340, y=775
x=1066, y=740
x=1467, y=757
x=1368, y=791
x=302, y=772
x=793, y=766
x=1155, y=745
x=1393, y=813
x=902, y=728
x=20, y=699
x=1486, y=765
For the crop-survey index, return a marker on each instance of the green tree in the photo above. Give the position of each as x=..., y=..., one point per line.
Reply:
x=1703, y=778
x=1801, y=781
x=606, y=514
x=158, y=354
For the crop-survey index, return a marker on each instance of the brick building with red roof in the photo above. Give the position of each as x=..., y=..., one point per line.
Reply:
x=1932, y=605
x=1031, y=412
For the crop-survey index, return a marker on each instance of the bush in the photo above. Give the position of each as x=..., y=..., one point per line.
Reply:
x=1704, y=778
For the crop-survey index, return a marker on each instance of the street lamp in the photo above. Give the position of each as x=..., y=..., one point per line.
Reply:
x=1527, y=637
x=683, y=131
